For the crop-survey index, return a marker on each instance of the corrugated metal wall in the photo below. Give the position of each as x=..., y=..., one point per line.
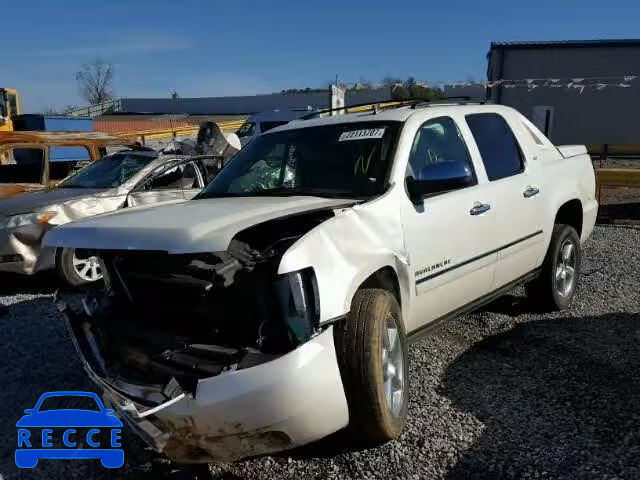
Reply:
x=607, y=116
x=117, y=126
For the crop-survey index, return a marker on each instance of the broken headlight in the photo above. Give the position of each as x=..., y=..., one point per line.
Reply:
x=25, y=219
x=299, y=302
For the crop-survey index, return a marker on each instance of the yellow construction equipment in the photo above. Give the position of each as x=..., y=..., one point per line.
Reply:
x=9, y=108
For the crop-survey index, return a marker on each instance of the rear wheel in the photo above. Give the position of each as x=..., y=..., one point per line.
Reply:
x=372, y=353
x=78, y=267
x=555, y=288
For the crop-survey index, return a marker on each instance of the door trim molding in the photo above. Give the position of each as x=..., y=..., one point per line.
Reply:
x=477, y=257
x=432, y=327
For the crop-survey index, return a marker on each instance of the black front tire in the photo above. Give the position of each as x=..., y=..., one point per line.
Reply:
x=359, y=344
x=544, y=291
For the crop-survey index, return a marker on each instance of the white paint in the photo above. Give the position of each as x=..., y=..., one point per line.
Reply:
x=301, y=393
x=388, y=231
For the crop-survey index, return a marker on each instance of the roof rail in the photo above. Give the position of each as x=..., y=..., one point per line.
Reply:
x=447, y=101
x=411, y=103
x=372, y=105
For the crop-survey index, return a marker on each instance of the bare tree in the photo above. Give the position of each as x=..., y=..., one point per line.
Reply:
x=95, y=82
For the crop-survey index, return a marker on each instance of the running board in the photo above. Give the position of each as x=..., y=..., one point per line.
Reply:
x=432, y=327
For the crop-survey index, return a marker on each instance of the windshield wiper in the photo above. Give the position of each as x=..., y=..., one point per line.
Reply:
x=205, y=194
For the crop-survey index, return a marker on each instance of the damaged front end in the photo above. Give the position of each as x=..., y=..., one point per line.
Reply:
x=20, y=243
x=214, y=356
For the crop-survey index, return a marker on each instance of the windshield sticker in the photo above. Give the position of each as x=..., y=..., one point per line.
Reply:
x=362, y=134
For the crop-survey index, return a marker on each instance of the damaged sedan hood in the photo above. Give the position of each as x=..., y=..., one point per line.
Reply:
x=205, y=225
x=33, y=201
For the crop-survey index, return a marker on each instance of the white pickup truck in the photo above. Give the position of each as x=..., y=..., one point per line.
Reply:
x=277, y=307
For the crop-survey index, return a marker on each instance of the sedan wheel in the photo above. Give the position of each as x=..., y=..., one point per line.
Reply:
x=78, y=267
x=86, y=267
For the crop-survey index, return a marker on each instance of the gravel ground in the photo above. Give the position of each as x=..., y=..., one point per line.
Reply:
x=502, y=393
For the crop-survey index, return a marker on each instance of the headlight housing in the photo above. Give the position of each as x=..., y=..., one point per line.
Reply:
x=299, y=302
x=25, y=219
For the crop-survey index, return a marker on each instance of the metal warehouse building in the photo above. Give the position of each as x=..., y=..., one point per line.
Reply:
x=548, y=89
x=231, y=106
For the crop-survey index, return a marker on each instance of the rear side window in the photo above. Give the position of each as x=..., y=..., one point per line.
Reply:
x=500, y=152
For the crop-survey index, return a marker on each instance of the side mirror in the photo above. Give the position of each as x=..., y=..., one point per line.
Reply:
x=29, y=411
x=439, y=177
x=109, y=411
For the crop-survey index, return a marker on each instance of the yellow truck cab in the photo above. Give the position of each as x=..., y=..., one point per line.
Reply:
x=9, y=108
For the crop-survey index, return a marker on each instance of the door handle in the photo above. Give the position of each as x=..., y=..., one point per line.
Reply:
x=479, y=208
x=530, y=191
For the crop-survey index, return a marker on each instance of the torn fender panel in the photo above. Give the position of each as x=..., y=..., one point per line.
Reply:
x=345, y=250
x=23, y=244
x=89, y=206
x=204, y=225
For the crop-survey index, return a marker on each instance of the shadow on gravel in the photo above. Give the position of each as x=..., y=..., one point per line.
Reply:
x=328, y=447
x=510, y=305
x=559, y=399
x=12, y=283
x=37, y=356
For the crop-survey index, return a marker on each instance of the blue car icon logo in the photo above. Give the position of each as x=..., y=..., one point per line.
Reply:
x=36, y=433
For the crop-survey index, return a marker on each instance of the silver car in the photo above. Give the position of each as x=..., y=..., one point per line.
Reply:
x=125, y=179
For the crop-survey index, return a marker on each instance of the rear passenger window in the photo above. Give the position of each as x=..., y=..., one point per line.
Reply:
x=497, y=144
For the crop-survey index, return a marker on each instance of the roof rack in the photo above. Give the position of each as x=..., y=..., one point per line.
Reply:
x=412, y=103
x=373, y=105
x=465, y=100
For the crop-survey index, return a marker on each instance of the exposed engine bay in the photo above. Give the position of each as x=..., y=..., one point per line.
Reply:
x=170, y=320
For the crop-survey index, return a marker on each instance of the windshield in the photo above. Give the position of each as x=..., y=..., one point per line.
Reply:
x=343, y=160
x=246, y=130
x=108, y=172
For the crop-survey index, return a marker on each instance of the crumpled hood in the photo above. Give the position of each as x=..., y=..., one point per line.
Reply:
x=205, y=225
x=33, y=201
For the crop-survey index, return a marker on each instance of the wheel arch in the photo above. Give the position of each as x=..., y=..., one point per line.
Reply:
x=391, y=276
x=570, y=213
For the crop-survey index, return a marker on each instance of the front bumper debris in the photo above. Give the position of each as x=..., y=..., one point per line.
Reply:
x=288, y=402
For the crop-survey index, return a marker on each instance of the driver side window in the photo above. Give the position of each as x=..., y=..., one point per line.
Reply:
x=179, y=177
x=437, y=142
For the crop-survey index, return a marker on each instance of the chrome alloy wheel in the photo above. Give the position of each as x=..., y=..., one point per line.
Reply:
x=86, y=267
x=565, y=273
x=393, y=366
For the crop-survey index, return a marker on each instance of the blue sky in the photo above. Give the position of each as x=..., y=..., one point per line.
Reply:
x=218, y=47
